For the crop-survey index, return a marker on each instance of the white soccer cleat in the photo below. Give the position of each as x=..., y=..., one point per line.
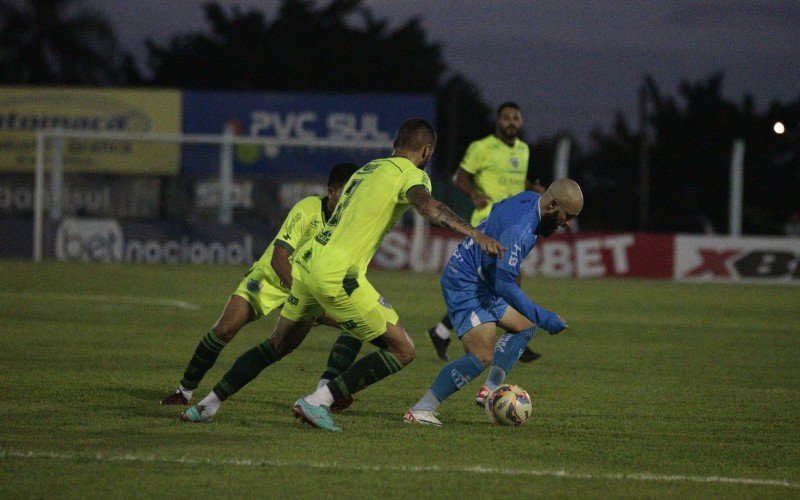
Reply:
x=423, y=417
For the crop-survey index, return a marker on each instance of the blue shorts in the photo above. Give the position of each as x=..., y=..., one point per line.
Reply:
x=469, y=303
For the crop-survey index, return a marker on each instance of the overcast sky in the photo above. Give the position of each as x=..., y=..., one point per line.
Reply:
x=570, y=65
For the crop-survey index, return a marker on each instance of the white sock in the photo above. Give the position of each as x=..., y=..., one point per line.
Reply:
x=322, y=382
x=210, y=404
x=496, y=377
x=187, y=393
x=429, y=402
x=321, y=397
x=442, y=331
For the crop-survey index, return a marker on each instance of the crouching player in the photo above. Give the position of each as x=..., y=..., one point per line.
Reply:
x=266, y=287
x=481, y=292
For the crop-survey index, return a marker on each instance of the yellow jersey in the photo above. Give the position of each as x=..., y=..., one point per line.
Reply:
x=304, y=221
x=372, y=201
x=500, y=170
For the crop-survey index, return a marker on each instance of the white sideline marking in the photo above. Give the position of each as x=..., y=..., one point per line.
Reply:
x=108, y=298
x=478, y=469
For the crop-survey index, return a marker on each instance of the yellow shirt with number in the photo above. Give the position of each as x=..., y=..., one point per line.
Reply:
x=371, y=203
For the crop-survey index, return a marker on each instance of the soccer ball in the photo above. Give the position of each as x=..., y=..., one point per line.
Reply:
x=508, y=405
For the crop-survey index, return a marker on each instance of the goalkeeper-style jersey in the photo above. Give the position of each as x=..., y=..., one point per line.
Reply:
x=372, y=201
x=500, y=170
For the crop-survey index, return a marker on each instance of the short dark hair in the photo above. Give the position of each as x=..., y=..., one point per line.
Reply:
x=414, y=134
x=341, y=173
x=507, y=104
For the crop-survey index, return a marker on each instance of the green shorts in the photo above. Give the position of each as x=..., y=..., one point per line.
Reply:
x=356, y=306
x=259, y=289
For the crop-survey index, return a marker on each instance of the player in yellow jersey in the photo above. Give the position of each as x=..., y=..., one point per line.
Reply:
x=493, y=169
x=266, y=285
x=329, y=275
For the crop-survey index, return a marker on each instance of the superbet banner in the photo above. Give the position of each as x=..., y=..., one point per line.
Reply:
x=602, y=255
x=748, y=260
x=582, y=255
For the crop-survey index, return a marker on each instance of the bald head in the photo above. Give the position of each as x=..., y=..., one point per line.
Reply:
x=567, y=194
x=559, y=206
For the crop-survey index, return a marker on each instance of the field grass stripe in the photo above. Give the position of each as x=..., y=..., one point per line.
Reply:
x=115, y=299
x=478, y=469
x=679, y=322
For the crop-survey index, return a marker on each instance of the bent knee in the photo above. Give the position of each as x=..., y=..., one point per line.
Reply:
x=405, y=354
x=485, y=357
x=226, y=331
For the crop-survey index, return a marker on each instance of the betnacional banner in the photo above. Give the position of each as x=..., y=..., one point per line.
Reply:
x=748, y=260
x=110, y=240
x=25, y=110
x=356, y=122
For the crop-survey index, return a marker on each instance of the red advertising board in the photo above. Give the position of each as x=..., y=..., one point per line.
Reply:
x=583, y=254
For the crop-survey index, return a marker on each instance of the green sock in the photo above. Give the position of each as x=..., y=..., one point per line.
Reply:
x=343, y=353
x=202, y=360
x=364, y=372
x=246, y=368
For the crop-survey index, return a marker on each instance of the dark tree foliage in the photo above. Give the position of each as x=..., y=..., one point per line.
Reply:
x=608, y=174
x=44, y=42
x=690, y=146
x=339, y=47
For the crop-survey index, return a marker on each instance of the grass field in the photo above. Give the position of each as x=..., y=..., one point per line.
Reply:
x=658, y=389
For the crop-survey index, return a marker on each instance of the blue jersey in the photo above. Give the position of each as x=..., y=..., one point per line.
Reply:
x=513, y=222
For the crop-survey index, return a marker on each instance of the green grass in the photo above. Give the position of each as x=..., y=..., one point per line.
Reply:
x=658, y=378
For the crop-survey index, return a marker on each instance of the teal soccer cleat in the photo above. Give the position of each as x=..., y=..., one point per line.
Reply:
x=317, y=416
x=195, y=415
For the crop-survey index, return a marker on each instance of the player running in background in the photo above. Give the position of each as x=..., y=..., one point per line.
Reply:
x=329, y=274
x=493, y=168
x=266, y=286
x=481, y=292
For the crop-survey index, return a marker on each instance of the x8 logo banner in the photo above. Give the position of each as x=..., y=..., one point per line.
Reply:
x=723, y=259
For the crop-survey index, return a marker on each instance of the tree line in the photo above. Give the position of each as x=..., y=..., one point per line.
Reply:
x=682, y=144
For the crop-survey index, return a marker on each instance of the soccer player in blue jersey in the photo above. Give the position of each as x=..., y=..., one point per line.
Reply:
x=493, y=169
x=481, y=292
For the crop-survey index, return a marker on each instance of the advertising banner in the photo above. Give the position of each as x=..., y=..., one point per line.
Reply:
x=109, y=240
x=582, y=254
x=355, y=121
x=105, y=195
x=746, y=260
x=24, y=110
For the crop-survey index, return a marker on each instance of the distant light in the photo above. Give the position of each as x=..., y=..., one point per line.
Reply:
x=779, y=128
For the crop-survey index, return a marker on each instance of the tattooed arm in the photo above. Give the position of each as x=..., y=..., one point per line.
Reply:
x=438, y=213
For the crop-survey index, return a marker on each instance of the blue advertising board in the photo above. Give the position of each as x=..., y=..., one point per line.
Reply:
x=357, y=120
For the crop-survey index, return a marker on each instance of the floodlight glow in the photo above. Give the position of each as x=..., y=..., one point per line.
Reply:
x=778, y=128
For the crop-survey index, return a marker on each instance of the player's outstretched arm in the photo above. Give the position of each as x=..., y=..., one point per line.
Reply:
x=440, y=214
x=516, y=298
